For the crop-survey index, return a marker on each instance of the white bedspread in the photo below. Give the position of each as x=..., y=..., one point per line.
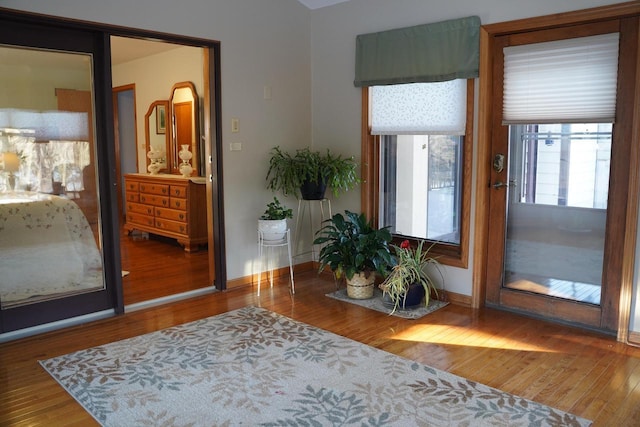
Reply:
x=47, y=249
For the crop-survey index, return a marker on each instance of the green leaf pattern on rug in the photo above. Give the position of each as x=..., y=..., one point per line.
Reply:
x=255, y=367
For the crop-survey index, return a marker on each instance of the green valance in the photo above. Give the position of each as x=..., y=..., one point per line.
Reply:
x=435, y=52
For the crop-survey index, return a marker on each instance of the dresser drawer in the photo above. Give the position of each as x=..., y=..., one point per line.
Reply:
x=140, y=208
x=173, y=226
x=161, y=189
x=131, y=186
x=179, y=191
x=172, y=214
x=133, y=197
x=137, y=218
x=151, y=199
x=180, y=204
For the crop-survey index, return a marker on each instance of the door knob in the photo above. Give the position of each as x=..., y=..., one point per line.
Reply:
x=500, y=184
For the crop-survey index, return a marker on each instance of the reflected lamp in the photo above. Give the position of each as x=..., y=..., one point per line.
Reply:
x=11, y=165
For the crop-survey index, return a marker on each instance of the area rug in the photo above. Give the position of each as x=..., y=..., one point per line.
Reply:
x=255, y=367
x=376, y=304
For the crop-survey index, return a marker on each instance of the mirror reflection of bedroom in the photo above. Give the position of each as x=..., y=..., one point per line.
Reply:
x=47, y=180
x=157, y=92
x=51, y=240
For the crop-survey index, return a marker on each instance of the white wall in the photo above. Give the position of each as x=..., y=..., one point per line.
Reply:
x=307, y=58
x=154, y=79
x=335, y=100
x=263, y=43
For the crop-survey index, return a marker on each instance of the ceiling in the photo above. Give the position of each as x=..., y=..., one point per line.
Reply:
x=124, y=49
x=317, y=4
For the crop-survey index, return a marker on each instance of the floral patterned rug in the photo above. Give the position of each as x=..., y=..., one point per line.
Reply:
x=255, y=367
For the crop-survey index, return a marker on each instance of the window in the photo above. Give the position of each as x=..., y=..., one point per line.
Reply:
x=563, y=164
x=417, y=113
x=419, y=157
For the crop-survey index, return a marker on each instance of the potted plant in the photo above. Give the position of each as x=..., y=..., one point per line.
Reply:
x=353, y=249
x=306, y=174
x=408, y=283
x=273, y=222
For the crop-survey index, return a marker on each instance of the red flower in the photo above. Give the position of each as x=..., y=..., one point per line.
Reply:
x=404, y=244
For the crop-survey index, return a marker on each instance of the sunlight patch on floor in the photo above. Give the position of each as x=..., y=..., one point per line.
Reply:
x=453, y=335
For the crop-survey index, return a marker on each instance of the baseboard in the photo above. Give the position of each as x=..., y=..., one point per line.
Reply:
x=283, y=271
x=458, y=299
x=634, y=337
x=452, y=297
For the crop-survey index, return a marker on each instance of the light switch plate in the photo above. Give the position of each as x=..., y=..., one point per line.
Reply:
x=235, y=125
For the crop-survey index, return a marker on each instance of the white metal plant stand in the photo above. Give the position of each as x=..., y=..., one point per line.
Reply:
x=267, y=246
x=304, y=206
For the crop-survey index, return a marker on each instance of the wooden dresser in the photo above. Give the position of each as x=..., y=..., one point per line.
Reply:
x=167, y=205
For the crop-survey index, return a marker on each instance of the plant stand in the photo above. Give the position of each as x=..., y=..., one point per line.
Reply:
x=304, y=206
x=268, y=245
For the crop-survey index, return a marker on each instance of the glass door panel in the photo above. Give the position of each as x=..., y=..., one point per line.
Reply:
x=557, y=209
x=50, y=241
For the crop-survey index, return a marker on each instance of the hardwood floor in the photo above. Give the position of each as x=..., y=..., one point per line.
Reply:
x=159, y=267
x=583, y=372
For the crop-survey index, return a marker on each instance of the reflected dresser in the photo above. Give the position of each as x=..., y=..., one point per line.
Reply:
x=167, y=205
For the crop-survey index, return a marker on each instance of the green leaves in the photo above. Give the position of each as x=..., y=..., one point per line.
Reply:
x=412, y=265
x=352, y=245
x=276, y=211
x=288, y=172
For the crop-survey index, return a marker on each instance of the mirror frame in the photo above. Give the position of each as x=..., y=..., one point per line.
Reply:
x=172, y=156
x=147, y=131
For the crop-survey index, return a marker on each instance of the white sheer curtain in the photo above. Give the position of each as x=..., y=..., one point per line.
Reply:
x=419, y=108
x=40, y=161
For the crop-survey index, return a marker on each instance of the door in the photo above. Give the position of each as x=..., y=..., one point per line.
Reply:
x=557, y=194
x=53, y=238
x=124, y=106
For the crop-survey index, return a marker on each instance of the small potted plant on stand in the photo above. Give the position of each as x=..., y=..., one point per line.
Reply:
x=353, y=249
x=273, y=222
x=408, y=283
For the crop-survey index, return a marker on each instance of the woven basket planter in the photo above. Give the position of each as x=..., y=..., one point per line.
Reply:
x=360, y=286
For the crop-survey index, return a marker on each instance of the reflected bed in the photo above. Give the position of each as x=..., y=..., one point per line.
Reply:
x=47, y=249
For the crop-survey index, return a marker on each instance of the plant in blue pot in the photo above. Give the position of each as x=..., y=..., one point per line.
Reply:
x=410, y=281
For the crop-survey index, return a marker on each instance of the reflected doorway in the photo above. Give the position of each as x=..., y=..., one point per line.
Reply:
x=154, y=265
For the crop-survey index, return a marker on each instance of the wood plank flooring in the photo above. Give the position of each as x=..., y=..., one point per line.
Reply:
x=159, y=267
x=578, y=371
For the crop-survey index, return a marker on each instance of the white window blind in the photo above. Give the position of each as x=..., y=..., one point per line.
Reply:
x=419, y=108
x=564, y=81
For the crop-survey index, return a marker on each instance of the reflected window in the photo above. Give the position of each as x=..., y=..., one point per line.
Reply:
x=565, y=164
x=50, y=244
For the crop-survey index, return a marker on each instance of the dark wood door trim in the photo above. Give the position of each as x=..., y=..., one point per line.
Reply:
x=620, y=245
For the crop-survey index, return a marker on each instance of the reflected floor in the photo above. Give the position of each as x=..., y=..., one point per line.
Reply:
x=574, y=291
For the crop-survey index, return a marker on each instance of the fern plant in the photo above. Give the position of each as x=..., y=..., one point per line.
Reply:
x=288, y=172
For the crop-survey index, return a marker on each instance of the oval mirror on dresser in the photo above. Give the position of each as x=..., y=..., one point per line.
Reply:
x=157, y=137
x=183, y=123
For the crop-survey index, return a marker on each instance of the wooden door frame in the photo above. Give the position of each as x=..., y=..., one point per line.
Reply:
x=618, y=306
x=116, y=139
x=212, y=117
